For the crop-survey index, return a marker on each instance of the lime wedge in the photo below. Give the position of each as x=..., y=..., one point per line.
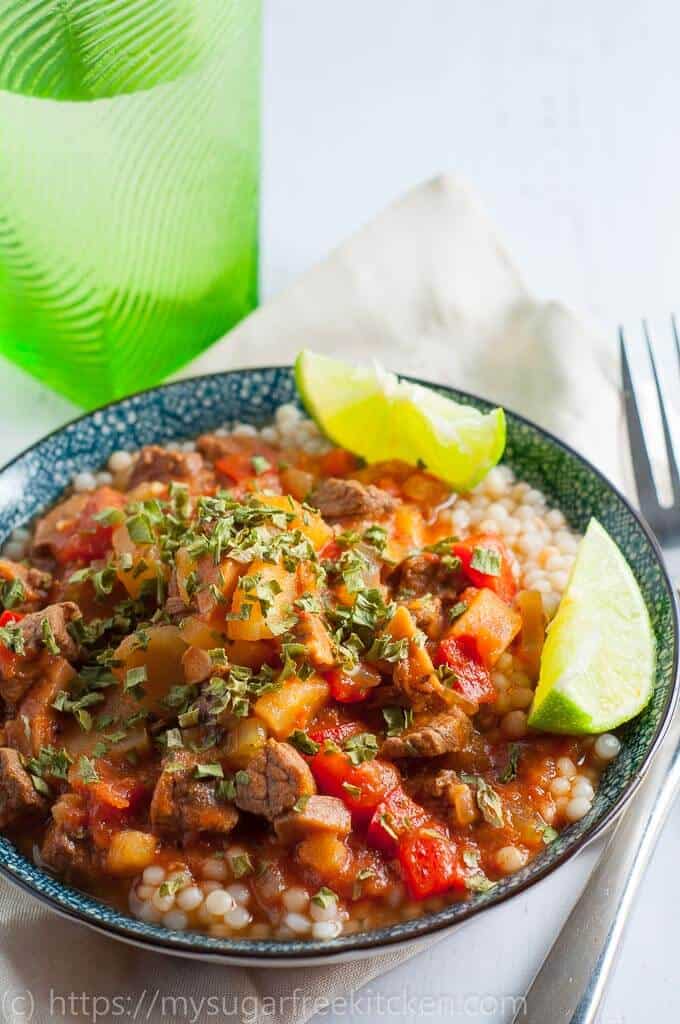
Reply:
x=373, y=414
x=597, y=668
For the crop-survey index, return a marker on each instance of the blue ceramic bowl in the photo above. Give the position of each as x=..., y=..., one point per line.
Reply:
x=35, y=479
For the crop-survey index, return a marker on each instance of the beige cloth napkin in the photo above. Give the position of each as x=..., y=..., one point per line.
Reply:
x=426, y=288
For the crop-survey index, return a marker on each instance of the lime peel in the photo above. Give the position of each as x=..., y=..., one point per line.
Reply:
x=597, y=666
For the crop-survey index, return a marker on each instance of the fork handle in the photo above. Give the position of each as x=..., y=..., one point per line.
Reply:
x=571, y=981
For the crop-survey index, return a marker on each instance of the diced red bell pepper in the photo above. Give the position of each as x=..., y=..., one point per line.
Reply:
x=352, y=687
x=430, y=864
x=362, y=787
x=113, y=804
x=85, y=539
x=331, y=552
x=503, y=583
x=338, y=462
x=335, y=733
x=395, y=816
x=237, y=466
x=472, y=679
x=8, y=616
x=8, y=658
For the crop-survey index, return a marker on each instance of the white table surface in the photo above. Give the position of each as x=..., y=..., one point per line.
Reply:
x=564, y=117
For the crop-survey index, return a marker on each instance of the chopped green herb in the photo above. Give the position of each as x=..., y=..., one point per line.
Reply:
x=376, y=537
x=50, y=761
x=209, y=771
x=12, y=638
x=548, y=833
x=488, y=800
x=12, y=593
x=386, y=822
x=457, y=610
x=486, y=561
x=241, y=865
x=87, y=770
x=48, y=636
x=397, y=719
x=307, y=603
x=442, y=547
x=173, y=739
x=260, y=464
x=510, y=771
x=384, y=648
x=174, y=885
x=40, y=785
x=226, y=789
x=362, y=747
x=351, y=789
x=135, y=677
x=139, y=529
x=301, y=803
x=302, y=742
x=324, y=897
x=109, y=516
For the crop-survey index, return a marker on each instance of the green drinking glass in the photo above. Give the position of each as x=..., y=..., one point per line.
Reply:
x=129, y=168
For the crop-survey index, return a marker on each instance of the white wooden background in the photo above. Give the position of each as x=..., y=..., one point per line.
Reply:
x=564, y=117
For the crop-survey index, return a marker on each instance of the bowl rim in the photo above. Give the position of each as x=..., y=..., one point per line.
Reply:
x=304, y=951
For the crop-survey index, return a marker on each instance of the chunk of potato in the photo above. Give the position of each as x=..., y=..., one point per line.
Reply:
x=162, y=658
x=325, y=854
x=293, y=706
x=146, y=562
x=243, y=741
x=491, y=622
x=130, y=852
x=257, y=626
x=309, y=523
x=223, y=576
x=197, y=633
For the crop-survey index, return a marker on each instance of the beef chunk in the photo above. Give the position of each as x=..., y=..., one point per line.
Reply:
x=415, y=678
x=155, y=463
x=18, y=674
x=277, y=778
x=214, y=446
x=35, y=724
x=348, y=499
x=310, y=631
x=450, y=798
x=426, y=573
x=183, y=802
x=68, y=846
x=32, y=584
x=58, y=617
x=49, y=529
x=18, y=796
x=436, y=735
x=318, y=814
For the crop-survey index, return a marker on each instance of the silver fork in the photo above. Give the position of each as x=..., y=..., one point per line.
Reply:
x=571, y=981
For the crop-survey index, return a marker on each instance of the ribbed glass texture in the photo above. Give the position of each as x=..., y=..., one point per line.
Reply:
x=129, y=159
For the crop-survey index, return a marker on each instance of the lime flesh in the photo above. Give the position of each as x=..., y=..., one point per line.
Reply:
x=597, y=668
x=372, y=413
